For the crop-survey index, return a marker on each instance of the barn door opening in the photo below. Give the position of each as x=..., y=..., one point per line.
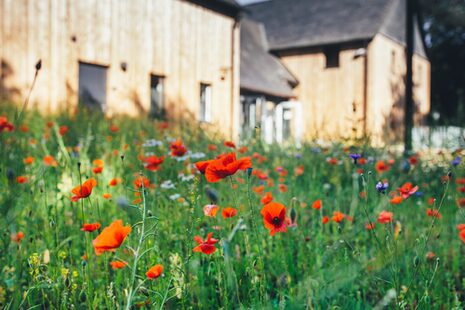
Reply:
x=92, y=86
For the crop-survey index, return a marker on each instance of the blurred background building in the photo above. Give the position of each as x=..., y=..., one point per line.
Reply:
x=286, y=70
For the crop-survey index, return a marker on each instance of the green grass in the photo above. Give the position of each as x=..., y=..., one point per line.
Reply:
x=313, y=265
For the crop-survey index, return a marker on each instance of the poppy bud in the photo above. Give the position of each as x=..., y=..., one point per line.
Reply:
x=427, y=299
x=10, y=174
x=212, y=195
x=405, y=166
x=449, y=174
x=122, y=157
x=249, y=171
x=416, y=261
x=293, y=215
x=39, y=65
x=79, y=165
x=370, y=172
x=149, y=213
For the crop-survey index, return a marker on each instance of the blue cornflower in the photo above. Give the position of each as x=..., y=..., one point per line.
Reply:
x=355, y=157
x=456, y=161
x=382, y=187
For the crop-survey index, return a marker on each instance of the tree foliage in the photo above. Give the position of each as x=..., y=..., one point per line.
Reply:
x=444, y=27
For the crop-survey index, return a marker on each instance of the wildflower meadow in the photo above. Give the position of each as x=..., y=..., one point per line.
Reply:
x=127, y=213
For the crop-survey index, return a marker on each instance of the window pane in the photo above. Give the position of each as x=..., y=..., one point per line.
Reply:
x=92, y=85
x=332, y=57
x=156, y=96
x=205, y=103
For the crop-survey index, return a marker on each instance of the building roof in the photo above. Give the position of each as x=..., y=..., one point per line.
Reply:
x=293, y=24
x=261, y=72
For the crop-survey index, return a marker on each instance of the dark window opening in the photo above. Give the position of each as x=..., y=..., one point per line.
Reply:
x=92, y=85
x=157, y=104
x=332, y=57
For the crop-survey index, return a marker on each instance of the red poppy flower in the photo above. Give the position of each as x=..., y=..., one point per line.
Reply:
x=229, y=212
x=21, y=179
x=90, y=227
x=460, y=181
x=242, y=149
x=396, y=200
x=114, y=182
x=461, y=202
x=266, y=199
x=461, y=227
x=202, y=165
x=5, y=125
x=282, y=188
x=338, y=216
x=381, y=166
x=230, y=144
x=317, y=204
x=370, y=226
x=177, y=148
x=28, y=160
x=17, y=237
x=407, y=190
x=207, y=246
x=50, y=161
x=385, y=217
x=210, y=210
x=433, y=213
x=431, y=200
x=153, y=163
x=462, y=235
x=413, y=160
x=141, y=181
x=325, y=219
x=97, y=170
x=225, y=166
x=274, y=217
x=212, y=147
x=83, y=191
x=298, y=171
x=111, y=237
x=332, y=161
x=154, y=272
x=63, y=130
x=118, y=264
x=258, y=189
x=114, y=128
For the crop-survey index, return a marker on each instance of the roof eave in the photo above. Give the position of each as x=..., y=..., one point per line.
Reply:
x=220, y=6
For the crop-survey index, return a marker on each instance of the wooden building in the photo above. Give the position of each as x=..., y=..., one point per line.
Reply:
x=179, y=57
x=348, y=59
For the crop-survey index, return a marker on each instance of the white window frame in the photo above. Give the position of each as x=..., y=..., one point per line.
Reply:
x=206, y=116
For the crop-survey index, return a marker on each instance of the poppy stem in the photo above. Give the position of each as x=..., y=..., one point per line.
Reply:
x=87, y=253
x=137, y=255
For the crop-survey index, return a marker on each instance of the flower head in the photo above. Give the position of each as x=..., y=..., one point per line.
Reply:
x=385, y=217
x=274, y=217
x=381, y=187
x=153, y=163
x=83, y=191
x=228, y=212
x=90, y=227
x=207, y=246
x=154, y=272
x=225, y=166
x=407, y=190
x=111, y=237
x=177, y=148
